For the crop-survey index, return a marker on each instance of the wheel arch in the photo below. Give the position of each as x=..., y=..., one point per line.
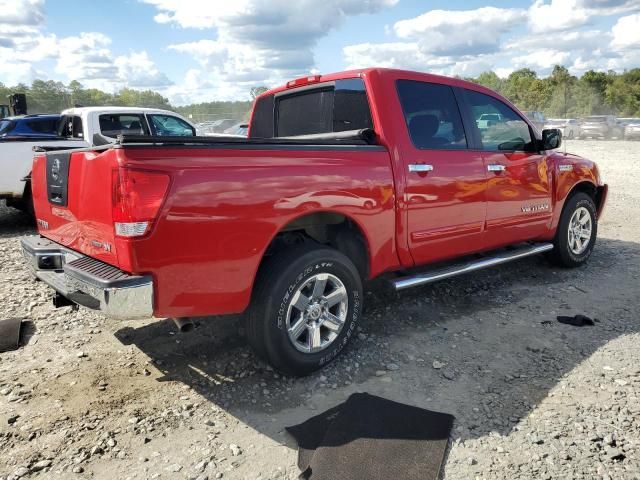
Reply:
x=325, y=227
x=597, y=193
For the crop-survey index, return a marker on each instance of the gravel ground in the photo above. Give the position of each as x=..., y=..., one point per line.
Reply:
x=90, y=397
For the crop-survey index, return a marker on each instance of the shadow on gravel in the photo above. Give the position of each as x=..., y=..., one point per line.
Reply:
x=484, y=347
x=14, y=222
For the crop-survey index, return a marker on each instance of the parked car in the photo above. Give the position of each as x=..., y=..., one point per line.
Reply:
x=39, y=126
x=77, y=128
x=488, y=119
x=215, y=127
x=183, y=228
x=569, y=127
x=239, y=129
x=537, y=118
x=600, y=126
x=631, y=128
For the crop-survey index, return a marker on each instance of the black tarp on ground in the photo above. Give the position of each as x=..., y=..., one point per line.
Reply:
x=371, y=438
x=10, y=334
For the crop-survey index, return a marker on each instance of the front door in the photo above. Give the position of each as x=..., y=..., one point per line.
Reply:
x=519, y=184
x=445, y=181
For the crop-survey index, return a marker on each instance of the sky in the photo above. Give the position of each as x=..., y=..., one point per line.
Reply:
x=203, y=50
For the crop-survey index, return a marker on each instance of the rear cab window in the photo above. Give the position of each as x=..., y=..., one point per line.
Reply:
x=112, y=125
x=71, y=127
x=324, y=108
x=432, y=116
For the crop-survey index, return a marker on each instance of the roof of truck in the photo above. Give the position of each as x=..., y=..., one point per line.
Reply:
x=81, y=110
x=394, y=72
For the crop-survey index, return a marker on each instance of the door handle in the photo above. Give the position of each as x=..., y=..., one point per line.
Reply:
x=496, y=167
x=420, y=168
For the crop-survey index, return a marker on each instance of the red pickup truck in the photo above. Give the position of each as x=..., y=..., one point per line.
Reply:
x=343, y=177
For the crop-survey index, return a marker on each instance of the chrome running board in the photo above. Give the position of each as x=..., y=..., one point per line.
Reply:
x=471, y=266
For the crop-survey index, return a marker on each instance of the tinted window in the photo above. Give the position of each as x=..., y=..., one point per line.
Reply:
x=112, y=125
x=263, y=116
x=71, y=127
x=169, y=126
x=5, y=126
x=500, y=127
x=432, y=115
x=334, y=108
x=351, y=108
x=43, y=125
x=305, y=113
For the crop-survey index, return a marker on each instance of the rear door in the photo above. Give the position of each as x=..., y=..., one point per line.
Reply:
x=519, y=185
x=445, y=180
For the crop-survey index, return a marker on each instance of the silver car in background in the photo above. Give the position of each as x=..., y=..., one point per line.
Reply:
x=569, y=127
x=631, y=128
x=600, y=126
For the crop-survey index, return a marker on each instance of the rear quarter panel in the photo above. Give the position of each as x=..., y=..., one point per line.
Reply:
x=225, y=206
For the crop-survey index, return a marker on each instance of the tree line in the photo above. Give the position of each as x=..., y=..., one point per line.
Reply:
x=558, y=95
x=564, y=95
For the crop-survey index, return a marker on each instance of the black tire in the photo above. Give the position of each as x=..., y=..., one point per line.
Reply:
x=562, y=254
x=279, y=278
x=27, y=202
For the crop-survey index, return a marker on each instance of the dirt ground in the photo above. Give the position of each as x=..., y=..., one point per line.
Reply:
x=90, y=397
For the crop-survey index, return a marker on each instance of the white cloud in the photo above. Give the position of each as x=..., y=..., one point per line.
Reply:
x=137, y=70
x=626, y=32
x=466, y=32
x=85, y=57
x=541, y=60
x=257, y=42
x=21, y=12
x=557, y=15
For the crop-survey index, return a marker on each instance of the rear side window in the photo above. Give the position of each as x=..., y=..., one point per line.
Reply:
x=170, y=126
x=112, y=125
x=43, y=125
x=432, y=115
x=335, y=107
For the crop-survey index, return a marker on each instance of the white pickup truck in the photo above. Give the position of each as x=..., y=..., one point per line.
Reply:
x=80, y=128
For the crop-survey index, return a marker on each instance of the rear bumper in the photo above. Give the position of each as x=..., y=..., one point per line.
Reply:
x=89, y=282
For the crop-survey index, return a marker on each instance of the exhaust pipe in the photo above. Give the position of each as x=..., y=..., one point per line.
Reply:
x=184, y=324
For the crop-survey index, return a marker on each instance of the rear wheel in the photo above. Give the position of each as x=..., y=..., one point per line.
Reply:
x=306, y=306
x=577, y=231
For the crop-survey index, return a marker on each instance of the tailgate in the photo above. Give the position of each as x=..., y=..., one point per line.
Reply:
x=72, y=196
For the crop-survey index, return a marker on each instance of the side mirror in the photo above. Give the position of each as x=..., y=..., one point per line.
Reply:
x=551, y=139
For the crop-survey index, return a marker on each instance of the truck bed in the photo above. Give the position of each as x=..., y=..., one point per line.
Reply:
x=226, y=200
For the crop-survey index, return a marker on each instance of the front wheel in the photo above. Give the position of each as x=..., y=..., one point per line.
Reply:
x=306, y=306
x=577, y=231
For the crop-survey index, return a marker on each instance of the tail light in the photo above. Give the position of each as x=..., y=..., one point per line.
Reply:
x=137, y=198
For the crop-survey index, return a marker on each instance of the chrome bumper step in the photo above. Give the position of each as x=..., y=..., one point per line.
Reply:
x=449, y=271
